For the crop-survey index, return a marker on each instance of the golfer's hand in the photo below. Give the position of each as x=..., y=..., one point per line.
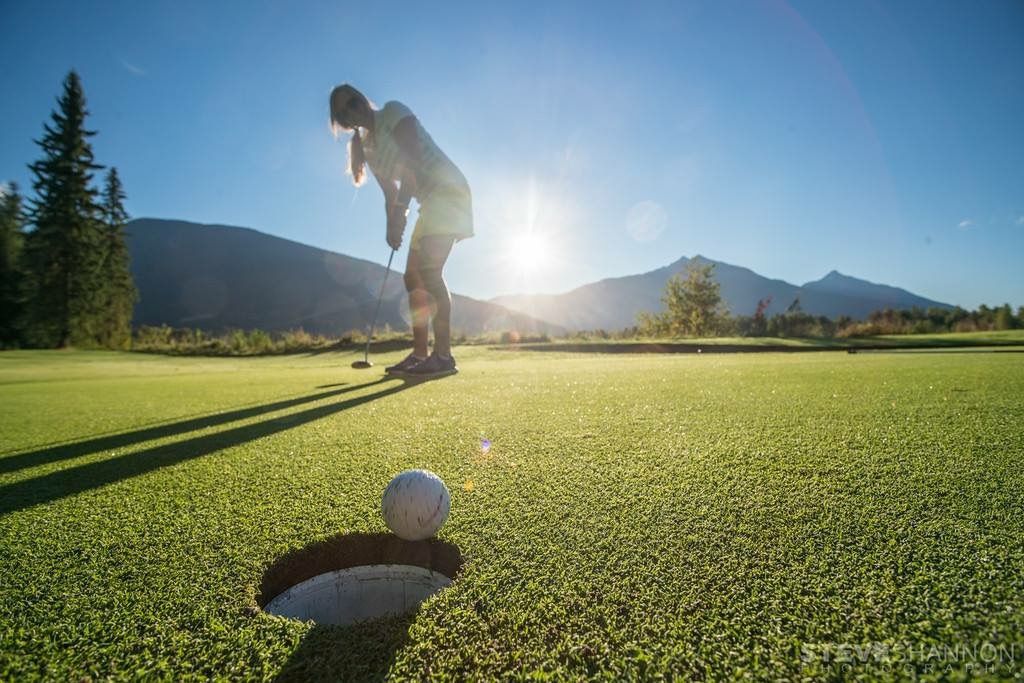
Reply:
x=396, y=226
x=394, y=239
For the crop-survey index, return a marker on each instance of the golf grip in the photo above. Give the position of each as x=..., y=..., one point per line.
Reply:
x=380, y=297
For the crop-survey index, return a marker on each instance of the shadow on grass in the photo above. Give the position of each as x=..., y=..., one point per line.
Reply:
x=43, y=456
x=67, y=482
x=363, y=652
x=669, y=347
x=958, y=350
x=354, y=550
x=933, y=342
x=366, y=651
x=806, y=345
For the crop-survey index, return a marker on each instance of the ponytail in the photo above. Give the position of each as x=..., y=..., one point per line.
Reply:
x=356, y=159
x=341, y=98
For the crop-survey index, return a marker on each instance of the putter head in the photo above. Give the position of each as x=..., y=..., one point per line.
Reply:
x=362, y=364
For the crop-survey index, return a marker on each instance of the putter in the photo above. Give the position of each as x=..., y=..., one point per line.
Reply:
x=365, y=362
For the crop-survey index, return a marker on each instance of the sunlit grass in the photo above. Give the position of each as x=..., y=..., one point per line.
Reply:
x=633, y=516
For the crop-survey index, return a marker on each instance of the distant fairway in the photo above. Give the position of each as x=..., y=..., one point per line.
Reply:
x=693, y=516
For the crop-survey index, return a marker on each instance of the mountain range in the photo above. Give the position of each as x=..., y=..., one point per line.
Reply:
x=614, y=303
x=217, y=277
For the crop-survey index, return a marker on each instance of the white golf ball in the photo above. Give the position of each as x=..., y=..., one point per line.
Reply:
x=415, y=504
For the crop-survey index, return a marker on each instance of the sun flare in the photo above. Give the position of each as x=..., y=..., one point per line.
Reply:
x=529, y=252
x=535, y=229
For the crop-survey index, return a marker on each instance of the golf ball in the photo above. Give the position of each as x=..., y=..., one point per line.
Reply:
x=415, y=504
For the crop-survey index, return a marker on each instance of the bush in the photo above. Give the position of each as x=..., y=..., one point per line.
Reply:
x=153, y=337
x=164, y=339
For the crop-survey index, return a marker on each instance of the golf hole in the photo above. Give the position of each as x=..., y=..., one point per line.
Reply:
x=355, y=578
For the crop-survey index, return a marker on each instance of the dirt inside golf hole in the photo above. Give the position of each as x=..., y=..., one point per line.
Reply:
x=354, y=578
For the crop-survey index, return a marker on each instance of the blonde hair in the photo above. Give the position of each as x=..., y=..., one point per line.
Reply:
x=341, y=96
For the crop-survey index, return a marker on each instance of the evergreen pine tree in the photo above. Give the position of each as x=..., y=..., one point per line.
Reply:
x=693, y=305
x=64, y=252
x=119, y=288
x=11, y=222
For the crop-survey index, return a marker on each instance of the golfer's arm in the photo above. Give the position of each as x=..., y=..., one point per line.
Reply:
x=407, y=138
x=390, y=189
x=407, y=188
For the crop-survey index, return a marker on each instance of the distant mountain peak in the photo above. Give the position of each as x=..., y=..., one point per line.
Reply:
x=836, y=276
x=615, y=302
x=836, y=279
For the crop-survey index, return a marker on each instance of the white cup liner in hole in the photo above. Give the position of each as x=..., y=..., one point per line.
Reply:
x=348, y=596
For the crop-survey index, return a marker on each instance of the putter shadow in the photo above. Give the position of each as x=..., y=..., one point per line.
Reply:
x=74, y=480
x=43, y=456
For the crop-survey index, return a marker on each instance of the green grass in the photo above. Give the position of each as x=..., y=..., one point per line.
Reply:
x=638, y=515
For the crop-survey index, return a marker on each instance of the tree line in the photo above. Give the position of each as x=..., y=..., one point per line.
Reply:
x=64, y=266
x=694, y=308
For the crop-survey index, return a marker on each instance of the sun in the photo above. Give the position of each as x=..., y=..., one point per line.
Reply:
x=529, y=252
x=533, y=228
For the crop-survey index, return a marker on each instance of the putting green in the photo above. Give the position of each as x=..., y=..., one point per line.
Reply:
x=635, y=515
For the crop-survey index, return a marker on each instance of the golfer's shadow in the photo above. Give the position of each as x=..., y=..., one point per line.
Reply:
x=73, y=480
x=364, y=651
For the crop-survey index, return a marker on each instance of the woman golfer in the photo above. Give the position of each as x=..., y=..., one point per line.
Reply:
x=408, y=165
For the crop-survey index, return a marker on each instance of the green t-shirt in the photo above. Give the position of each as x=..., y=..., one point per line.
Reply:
x=434, y=170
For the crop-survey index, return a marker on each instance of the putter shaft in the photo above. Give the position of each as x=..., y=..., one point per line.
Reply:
x=380, y=297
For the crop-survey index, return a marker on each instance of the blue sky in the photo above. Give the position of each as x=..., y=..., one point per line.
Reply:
x=881, y=140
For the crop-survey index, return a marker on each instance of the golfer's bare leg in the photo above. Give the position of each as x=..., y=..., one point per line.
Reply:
x=434, y=252
x=442, y=319
x=419, y=304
